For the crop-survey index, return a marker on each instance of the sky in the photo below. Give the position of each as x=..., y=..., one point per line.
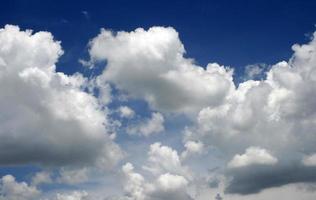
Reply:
x=160, y=100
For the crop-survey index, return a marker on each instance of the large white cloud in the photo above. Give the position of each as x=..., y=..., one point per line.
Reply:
x=277, y=113
x=51, y=111
x=151, y=65
x=46, y=117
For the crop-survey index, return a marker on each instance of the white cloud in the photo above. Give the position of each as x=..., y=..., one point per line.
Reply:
x=277, y=113
x=73, y=176
x=309, y=160
x=10, y=189
x=46, y=109
x=43, y=108
x=148, y=127
x=150, y=65
x=164, y=159
x=41, y=178
x=126, y=112
x=76, y=195
x=134, y=183
x=169, y=186
x=192, y=147
x=165, y=186
x=253, y=155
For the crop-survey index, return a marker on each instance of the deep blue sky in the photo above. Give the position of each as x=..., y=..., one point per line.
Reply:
x=234, y=33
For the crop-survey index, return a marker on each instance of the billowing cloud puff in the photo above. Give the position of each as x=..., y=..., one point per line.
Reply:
x=192, y=147
x=10, y=189
x=263, y=129
x=151, y=65
x=126, y=112
x=310, y=160
x=164, y=159
x=46, y=117
x=168, y=179
x=76, y=195
x=277, y=114
x=149, y=126
x=165, y=186
x=253, y=156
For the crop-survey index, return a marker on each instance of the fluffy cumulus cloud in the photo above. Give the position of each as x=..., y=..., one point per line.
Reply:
x=253, y=156
x=192, y=147
x=148, y=126
x=310, y=160
x=168, y=182
x=42, y=177
x=46, y=109
x=150, y=64
x=76, y=195
x=164, y=159
x=10, y=189
x=126, y=112
x=262, y=130
x=277, y=114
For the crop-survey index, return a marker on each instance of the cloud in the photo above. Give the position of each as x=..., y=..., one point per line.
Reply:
x=10, y=189
x=277, y=113
x=148, y=127
x=310, y=160
x=73, y=176
x=41, y=177
x=76, y=195
x=169, y=186
x=250, y=180
x=126, y=112
x=256, y=71
x=164, y=159
x=271, y=120
x=167, y=178
x=150, y=64
x=165, y=186
x=253, y=155
x=46, y=109
x=192, y=147
x=134, y=182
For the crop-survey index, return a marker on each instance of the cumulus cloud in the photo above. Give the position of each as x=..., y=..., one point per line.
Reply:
x=169, y=186
x=134, y=182
x=165, y=186
x=310, y=160
x=73, y=176
x=270, y=119
x=149, y=126
x=255, y=71
x=46, y=109
x=126, y=112
x=150, y=64
x=164, y=159
x=10, y=189
x=76, y=195
x=42, y=178
x=252, y=156
x=192, y=147
x=277, y=113
x=168, y=178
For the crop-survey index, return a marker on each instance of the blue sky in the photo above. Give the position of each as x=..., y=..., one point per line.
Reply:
x=233, y=33
x=174, y=100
